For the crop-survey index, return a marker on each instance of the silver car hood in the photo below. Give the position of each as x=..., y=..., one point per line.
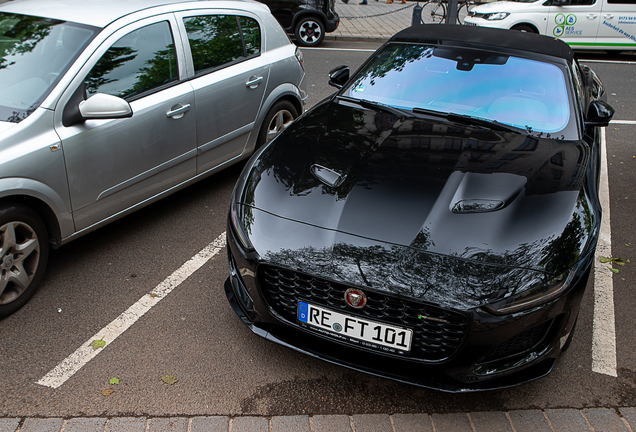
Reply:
x=6, y=126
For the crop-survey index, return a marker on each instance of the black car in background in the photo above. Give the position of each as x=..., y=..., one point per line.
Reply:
x=435, y=220
x=307, y=20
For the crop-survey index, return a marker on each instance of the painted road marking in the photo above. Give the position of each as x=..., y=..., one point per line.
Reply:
x=85, y=353
x=603, y=327
x=626, y=122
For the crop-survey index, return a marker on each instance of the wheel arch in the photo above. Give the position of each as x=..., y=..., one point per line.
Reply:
x=518, y=25
x=42, y=200
x=285, y=91
x=308, y=14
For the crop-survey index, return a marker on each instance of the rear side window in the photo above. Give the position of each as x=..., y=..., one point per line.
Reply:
x=139, y=62
x=218, y=40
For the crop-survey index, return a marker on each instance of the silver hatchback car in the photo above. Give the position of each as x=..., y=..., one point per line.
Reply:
x=107, y=106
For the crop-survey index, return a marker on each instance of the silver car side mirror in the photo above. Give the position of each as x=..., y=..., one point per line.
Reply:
x=103, y=106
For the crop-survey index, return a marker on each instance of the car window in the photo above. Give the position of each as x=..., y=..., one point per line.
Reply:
x=517, y=91
x=139, y=62
x=251, y=34
x=34, y=53
x=580, y=3
x=217, y=40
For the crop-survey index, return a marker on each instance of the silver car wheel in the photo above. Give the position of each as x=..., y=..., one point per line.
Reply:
x=19, y=259
x=279, y=123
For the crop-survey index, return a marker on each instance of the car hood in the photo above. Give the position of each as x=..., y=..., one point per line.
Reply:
x=434, y=187
x=6, y=126
x=507, y=6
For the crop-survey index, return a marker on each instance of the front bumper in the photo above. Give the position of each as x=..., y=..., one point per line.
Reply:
x=476, y=364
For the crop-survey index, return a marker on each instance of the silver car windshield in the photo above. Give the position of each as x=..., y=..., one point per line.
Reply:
x=525, y=93
x=34, y=53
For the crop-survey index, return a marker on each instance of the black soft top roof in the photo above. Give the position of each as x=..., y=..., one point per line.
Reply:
x=483, y=37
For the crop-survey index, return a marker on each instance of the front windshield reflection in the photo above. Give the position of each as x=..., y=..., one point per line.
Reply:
x=34, y=52
x=520, y=92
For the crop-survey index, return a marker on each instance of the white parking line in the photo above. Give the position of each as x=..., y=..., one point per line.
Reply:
x=622, y=62
x=603, y=327
x=73, y=363
x=626, y=122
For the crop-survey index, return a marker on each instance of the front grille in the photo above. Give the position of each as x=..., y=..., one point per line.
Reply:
x=521, y=343
x=432, y=340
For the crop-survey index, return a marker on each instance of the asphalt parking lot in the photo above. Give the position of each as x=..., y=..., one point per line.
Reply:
x=221, y=367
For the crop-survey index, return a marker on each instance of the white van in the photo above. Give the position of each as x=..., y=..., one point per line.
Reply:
x=583, y=24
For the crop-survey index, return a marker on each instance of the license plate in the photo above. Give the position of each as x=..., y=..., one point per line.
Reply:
x=360, y=331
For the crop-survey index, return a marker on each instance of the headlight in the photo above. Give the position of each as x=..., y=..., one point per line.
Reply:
x=534, y=296
x=236, y=217
x=496, y=16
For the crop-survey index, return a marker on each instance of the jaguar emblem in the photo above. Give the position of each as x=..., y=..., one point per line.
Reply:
x=355, y=298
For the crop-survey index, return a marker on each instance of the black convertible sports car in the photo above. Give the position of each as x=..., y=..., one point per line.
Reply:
x=435, y=220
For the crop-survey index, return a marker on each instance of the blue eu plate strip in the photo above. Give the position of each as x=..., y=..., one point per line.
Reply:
x=302, y=311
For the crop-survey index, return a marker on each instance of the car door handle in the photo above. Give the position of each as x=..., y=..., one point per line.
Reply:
x=592, y=16
x=608, y=16
x=253, y=82
x=178, y=111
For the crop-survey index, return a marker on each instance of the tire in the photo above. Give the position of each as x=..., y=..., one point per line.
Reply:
x=24, y=251
x=281, y=115
x=433, y=12
x=524, y=28
x=309, y=32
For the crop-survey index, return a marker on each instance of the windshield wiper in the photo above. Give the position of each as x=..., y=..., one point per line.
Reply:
x=376, y=106
x=472, y=120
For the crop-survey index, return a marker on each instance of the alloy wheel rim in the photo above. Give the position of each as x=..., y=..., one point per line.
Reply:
x=19, y=259
x=279, y=123
x=310, y=32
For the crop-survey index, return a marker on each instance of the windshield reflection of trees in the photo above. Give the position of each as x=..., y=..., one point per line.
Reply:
x=21, y=34
x=393, y=58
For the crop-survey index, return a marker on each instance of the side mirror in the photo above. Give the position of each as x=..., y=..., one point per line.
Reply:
x=338, y=76
x=103, y=106
x=599, y=113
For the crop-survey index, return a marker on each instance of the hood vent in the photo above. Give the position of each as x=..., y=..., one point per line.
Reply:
x=482, y=193
x=328, y=176
x=477, y=206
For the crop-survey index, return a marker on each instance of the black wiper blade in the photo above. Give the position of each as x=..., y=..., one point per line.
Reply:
x=493, y=124
x=471, y=120
x=376, y=106
x=430, y=112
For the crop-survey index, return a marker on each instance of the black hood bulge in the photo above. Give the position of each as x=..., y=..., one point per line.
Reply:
x=434, y=186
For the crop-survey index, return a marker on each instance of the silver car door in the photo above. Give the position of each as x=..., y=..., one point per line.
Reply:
x=115, y=164
x=230, y=78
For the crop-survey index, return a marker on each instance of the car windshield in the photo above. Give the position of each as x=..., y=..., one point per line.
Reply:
x=516, y=91
x=34, y=52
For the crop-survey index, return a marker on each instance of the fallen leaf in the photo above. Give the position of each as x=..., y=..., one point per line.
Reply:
x=113, y=381
x=613, y=270
x=98, y=343
x=604, y=259
x=169, y=379
x=107, y=392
